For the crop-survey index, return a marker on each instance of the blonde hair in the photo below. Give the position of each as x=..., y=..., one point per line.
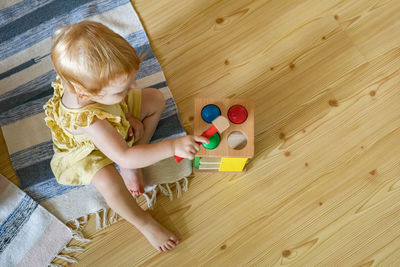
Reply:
x=88, y=55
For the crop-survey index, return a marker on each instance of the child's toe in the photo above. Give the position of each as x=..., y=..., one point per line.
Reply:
x=171, y=243
x=174, y=239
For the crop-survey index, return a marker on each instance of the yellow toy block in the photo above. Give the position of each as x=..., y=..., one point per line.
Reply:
x=232, y=164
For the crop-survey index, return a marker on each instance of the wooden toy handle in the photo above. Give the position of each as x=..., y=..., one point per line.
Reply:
x=207, y=134
x=178, y=159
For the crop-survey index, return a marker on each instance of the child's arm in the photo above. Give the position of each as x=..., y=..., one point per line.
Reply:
x=110, y=142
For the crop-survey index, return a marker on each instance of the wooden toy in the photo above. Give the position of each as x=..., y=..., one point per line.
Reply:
x=219, y=125
x=228, y=151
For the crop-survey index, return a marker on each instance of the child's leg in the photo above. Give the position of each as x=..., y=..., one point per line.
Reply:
x=109, y=183
x=152, y=106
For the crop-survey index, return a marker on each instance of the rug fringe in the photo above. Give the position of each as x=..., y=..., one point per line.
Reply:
x=78, y=236
x=73, y=248
x=151, y=201
x=166, y=190
x=84, y=221
x=102, y=220
x=114, y=217
x=105, y=212
x=163, y=189
x=171, y=197
x=66, y=258
x=79, y=222
x=98, y=220
x=178, y=189
x=185, y=184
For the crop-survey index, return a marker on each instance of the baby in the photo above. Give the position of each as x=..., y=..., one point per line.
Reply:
x=98, y=118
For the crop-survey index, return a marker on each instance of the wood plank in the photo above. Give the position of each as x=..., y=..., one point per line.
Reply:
x=373, y=26
x=6, y=168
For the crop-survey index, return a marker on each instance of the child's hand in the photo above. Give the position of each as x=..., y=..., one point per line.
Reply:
x=136, y=129
x=187, y=147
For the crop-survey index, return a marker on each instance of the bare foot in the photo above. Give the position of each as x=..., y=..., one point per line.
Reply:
x=133, y=179
x=159, y=237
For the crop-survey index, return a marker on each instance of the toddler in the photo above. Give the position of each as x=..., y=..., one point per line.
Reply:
x=98, y=118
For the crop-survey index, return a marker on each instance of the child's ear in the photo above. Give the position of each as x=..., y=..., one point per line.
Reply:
x=82, y=95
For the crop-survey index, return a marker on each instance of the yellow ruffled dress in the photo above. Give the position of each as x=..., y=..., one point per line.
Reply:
x=76, y=159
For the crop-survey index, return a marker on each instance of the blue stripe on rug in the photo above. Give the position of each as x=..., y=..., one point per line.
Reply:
x=159, y=85
x=170, y=108
x=170, y=125
x=32, y=155
x=22, y=66
x=48, y=189
x=148, y=67
x=42, y=22
x=24, y=110
x=20, y=9
x=146, y=51
x=38, y=17
x=15, y=221
x=35, y=173
x=137, y=39
x=26, y=91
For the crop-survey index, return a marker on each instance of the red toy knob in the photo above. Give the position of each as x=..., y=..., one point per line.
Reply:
x=237, y=114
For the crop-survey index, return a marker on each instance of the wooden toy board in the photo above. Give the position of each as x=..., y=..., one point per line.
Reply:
x=247, y=128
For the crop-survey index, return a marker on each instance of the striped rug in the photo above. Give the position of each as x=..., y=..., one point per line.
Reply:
x=29, y=234
x=26, y=72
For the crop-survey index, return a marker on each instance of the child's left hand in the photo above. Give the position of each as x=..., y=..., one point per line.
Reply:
x=136, y=129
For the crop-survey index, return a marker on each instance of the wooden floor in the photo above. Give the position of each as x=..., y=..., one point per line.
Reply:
x=324, y=186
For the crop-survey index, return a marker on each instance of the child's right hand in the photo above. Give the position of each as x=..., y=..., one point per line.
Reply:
x=187, y=146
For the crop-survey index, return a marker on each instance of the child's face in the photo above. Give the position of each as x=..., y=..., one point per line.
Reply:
x=117, y=90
